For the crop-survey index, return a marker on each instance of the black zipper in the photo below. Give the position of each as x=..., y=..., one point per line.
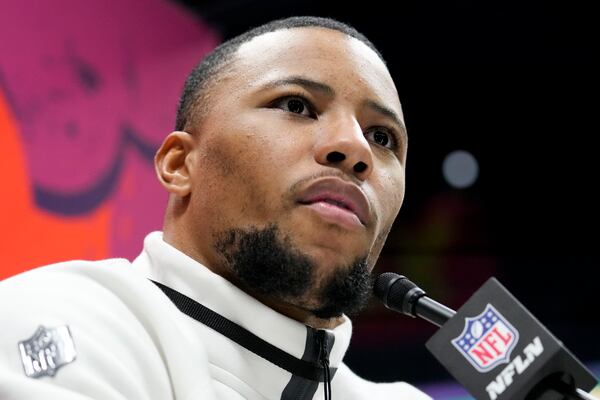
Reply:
x=324, y=360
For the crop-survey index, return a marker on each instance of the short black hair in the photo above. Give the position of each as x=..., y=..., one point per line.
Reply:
x=209, y=69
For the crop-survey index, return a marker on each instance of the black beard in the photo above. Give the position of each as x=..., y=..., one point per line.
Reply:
x=267, y=263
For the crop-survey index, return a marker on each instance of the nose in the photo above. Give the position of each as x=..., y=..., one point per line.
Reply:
x=343, y=145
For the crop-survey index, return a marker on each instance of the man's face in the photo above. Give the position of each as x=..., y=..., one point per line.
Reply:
x=305, y=134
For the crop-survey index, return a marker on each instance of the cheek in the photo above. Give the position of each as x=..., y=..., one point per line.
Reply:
x=391, y=189
x=239, y=178
x=228, y=175
x=391, y=185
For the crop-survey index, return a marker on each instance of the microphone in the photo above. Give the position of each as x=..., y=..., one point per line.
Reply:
x=400, y=294
x=492, y=345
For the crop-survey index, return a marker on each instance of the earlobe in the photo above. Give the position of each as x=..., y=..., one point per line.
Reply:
x=171, y=163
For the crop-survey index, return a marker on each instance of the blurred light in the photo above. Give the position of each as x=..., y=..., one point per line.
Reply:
x=460, y=169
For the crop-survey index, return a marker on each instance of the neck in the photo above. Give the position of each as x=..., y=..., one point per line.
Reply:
x=297, y=313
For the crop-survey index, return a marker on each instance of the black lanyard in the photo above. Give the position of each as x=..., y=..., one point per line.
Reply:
x=315, y=371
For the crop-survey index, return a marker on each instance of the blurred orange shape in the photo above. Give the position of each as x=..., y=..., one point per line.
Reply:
x=32, y=237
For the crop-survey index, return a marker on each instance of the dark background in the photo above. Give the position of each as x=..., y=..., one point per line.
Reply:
x=515, y=85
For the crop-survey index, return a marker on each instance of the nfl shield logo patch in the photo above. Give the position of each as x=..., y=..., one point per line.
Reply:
x=487, y=340
x=46, y=351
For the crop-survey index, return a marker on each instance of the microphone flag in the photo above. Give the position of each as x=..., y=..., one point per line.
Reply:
x=498, y=350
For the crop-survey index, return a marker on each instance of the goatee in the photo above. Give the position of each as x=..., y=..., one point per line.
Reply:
x=265, y=261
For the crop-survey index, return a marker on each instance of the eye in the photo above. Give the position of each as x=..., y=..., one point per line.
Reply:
x=295, y=104
x=382, y=136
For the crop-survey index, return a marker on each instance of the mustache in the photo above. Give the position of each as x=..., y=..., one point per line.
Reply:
x=332, y=173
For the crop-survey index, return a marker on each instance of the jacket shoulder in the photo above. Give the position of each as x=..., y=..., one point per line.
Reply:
x=72, y=329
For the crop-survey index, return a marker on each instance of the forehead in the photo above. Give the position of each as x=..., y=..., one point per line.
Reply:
x=346, y=64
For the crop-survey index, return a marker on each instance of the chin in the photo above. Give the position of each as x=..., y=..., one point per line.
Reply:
x=328, y=258
x=331, y=246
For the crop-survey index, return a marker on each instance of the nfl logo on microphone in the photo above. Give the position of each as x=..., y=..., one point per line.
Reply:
x=487, y=340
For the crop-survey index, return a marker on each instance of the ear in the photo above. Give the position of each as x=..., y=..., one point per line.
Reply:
x=172, y=163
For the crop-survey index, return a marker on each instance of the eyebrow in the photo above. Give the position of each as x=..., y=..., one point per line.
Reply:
x=328, y=90
x=304, y=82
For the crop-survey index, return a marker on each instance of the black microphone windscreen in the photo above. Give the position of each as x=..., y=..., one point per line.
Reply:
x=383, y=283
x=392, y=289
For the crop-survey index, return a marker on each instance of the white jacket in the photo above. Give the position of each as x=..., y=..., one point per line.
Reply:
x=131, y=342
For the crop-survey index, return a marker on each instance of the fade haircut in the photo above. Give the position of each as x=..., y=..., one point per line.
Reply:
x=197, y=85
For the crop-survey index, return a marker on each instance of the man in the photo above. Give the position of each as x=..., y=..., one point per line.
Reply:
x=285, y=173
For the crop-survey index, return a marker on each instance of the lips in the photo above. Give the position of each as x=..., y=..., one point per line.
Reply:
x=334, y=198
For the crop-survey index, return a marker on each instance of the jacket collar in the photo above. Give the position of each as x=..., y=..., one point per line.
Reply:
x=163, y=263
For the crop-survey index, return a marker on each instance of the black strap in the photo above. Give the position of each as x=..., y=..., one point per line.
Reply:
x=243, y=337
